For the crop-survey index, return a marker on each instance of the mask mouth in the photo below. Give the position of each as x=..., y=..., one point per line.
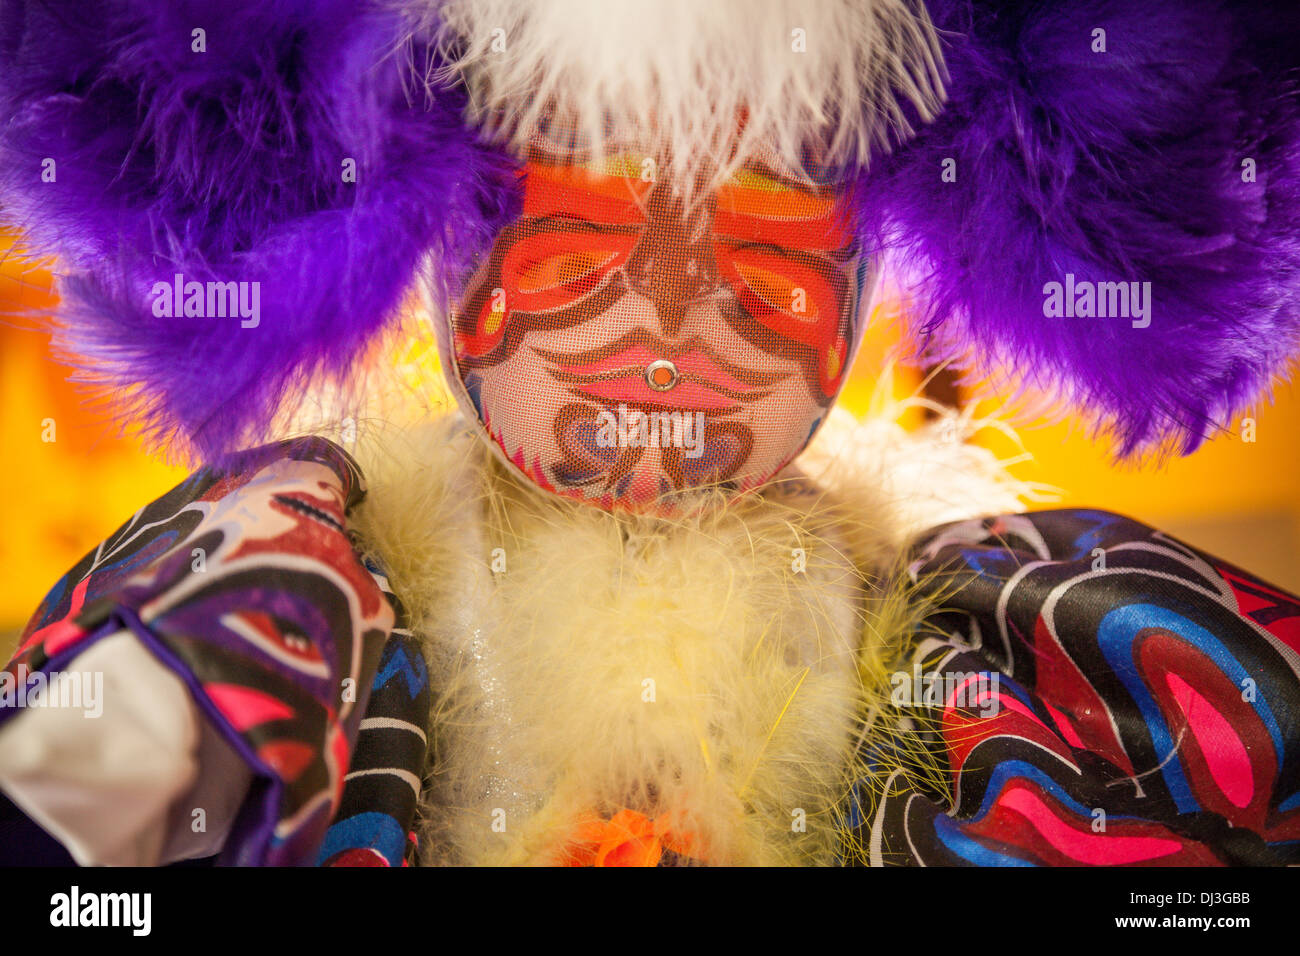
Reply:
x=642, y=369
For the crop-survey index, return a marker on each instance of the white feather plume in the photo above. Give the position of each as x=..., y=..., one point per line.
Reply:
x=676, y=76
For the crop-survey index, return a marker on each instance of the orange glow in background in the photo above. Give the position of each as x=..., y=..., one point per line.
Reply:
x=1237, y=499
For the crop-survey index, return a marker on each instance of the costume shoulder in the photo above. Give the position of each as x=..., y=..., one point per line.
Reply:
x=1103, y=694
x=238, y=610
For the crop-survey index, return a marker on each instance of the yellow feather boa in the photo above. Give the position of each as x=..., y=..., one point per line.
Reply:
x=614, y=688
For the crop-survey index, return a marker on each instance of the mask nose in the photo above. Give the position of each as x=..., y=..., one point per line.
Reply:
x=672, y=263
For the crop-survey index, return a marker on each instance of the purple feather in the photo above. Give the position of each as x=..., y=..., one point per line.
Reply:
x=1122, y=166
x=228, y=165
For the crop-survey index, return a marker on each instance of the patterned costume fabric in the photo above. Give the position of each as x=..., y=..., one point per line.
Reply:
x=1103, y=694
x=1094, y=691
x=373, y=825
x=245, y=584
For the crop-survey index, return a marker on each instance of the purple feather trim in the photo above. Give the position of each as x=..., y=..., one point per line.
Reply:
x=228, y=165
x=1120, y=166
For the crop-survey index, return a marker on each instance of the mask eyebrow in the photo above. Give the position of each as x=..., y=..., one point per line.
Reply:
x=773, y=173
x=567, y=220
x=827, y=232
x=759, y=205
x=558, y=190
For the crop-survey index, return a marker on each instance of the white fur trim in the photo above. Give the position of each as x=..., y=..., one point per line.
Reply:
x=675, y=75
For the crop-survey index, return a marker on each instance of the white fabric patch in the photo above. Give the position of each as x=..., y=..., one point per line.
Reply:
x=118, y=789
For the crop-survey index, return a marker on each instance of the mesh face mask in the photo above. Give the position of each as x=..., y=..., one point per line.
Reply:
x=628, y=347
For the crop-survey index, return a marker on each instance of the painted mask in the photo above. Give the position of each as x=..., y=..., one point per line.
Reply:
x=628, y=347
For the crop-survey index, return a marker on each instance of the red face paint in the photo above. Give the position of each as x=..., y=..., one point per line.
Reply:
x=624, y=347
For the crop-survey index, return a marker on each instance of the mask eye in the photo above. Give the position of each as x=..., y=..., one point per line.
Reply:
x=553, y=270
x=790, y=297
x=572, y=270
x=545, y=272
x=779, y=292
x=793, y=298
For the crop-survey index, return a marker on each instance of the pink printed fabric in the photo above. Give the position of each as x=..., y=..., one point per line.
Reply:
x=1103, y=695
x=246, y=584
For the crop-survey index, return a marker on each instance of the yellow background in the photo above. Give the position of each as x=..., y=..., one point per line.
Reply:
x=1234, y=498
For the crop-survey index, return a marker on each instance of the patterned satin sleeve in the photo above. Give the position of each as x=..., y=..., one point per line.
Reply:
x=1093, y=692
x=374, y=825
x=243, y=582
